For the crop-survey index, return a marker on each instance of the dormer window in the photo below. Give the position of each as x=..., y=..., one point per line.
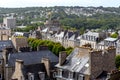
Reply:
x=70, y=75
x=0, y=62
x=0, y=76
x=60, y=72
x=30, y=76
x=80, y=77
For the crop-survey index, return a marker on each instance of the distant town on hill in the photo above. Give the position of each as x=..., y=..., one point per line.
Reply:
x=76, y=17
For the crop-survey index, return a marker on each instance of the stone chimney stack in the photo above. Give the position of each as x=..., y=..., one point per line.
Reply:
x=18, y=74
x=96, y=63
x=62, y=57
x=46, y=62
x=109, y=59
x=5, y=56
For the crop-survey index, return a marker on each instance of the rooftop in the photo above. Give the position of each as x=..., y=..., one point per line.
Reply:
x=77, y=61
x=31, y=57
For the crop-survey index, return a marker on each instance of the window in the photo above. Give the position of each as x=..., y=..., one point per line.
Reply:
x=54, y=74
x=70, y=75
x=60, y=72
x=0, y=76
x=31, y=76
x=0, y=62
x=80, y=77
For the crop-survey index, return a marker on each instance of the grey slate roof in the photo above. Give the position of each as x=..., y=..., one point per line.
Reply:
x=31, y=57
x=4, y=44
x=77, y=61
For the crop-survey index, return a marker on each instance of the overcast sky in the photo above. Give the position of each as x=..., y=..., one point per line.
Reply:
x=44, y=3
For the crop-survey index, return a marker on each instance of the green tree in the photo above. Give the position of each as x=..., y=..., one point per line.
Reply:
x=117, y=61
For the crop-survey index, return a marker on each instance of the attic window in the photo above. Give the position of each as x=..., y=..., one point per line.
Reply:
x=80, y=77
x=31, y=76
x=0, y=62
x=1, y=76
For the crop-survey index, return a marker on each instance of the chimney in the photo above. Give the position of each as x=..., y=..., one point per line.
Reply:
x=18, y=74
x=62, y=57
x=5, y=53
x=95, y=63
x=109, y=59
x=39, y=48
x=46, y=62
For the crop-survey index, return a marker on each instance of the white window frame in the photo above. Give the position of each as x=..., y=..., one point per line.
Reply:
x=70, y=75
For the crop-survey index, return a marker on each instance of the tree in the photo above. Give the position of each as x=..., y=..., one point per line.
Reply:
x=114, y=35
x=117, y=61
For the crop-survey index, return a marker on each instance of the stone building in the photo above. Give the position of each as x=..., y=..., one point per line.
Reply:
x=37, y=65
x=19, y=41
x=10, y=22
x=35, y=34
x=5, y=33
x=107, y=42
x=86, y=64
x=92, y=38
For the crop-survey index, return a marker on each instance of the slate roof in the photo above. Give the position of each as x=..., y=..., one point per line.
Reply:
x=92, y=33
x=31, y=57
x=45, y=30
x=34, y=69
x=5, y=44
x=74, y=36
x=77, y=61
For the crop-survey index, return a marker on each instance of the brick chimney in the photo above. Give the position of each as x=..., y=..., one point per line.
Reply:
x=46, y=62
x=62, y=57
x=18, y=74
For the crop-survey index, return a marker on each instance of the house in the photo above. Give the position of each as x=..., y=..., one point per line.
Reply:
x=92, y=38
x=107, y=42
x=66, y=38
x=86, y=64
x=10, y=22
x=50, y=28
x=35, y=34
x=5, y=33
x=37, y=65
x=74, y=40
